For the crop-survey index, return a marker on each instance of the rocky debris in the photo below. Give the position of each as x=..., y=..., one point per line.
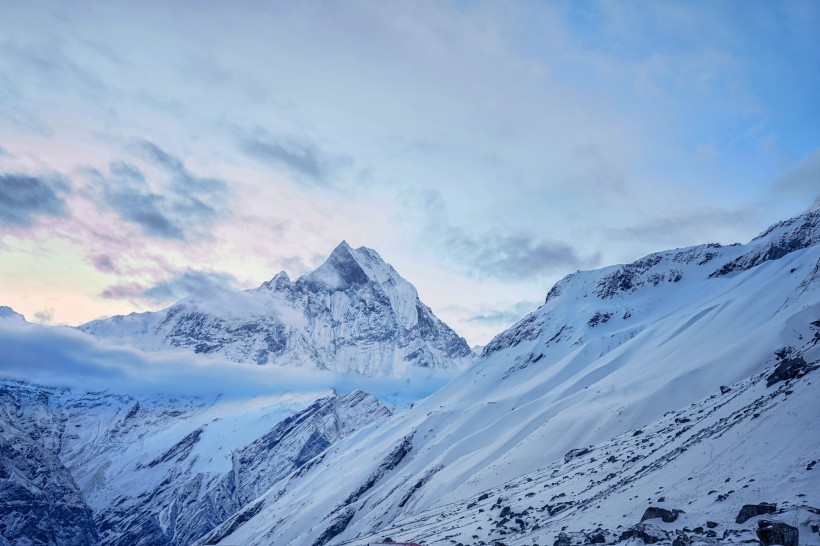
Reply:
x=681, y=540
x=790, y=368
x=748, y=511
x=562, y=540
x=776, y=532
x=668, y=516
x=573, y=453
x=650, y=534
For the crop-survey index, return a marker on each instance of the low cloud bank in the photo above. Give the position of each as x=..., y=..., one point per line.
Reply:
x=62, y=356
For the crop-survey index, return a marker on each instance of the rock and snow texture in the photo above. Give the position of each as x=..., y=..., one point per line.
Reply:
x=40, y=502
x=155, y=471
x=353, y=313
x=633, y=386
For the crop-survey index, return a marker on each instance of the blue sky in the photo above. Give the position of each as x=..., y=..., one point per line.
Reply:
x=485, y=149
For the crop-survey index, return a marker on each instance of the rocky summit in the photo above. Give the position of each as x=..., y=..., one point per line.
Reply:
x=353, y=313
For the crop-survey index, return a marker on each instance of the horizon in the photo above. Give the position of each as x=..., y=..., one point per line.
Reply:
x=485, y=151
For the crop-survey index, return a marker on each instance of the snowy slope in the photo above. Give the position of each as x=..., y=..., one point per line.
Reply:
x=157, y=471
x=353, y=313
x=610, y=351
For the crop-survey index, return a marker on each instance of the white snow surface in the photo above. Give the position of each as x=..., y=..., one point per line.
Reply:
x=354, y=313
x=611, y=352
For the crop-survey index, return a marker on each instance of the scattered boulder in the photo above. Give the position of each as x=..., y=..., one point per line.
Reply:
x=711, y=524
x=668, y=516
x=573, y=453
x=724, y=389
x=791, y=368
x=562, y=540
x=776, y=532
x=681, y=540
x=650, y=534
x=751, y=510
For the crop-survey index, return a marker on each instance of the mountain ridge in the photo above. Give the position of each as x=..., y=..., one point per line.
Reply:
x=353, y=313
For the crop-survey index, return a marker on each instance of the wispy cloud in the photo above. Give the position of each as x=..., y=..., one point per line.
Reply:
x=198, y=284
x=504, y=316
x=517, y=256
x=179, y=207
x=25, y=197
x=191, y=283
x=301, y=157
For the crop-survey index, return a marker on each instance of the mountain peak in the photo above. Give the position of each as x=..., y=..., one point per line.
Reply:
x=7, y=312
x=341, y=269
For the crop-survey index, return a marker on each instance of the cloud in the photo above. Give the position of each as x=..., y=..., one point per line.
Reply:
x=802, y=182
x=45, y=316
x=24, y=197
x=507, y=315
x=722, y=224
x=123, y=291
x=517, y=257
x=197, y=284
x=191, y=283
x=104, y=263
x=62, y=356
x=300, y=157
x=179, y=208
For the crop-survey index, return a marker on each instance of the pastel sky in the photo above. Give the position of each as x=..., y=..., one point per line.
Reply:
x=485, y=149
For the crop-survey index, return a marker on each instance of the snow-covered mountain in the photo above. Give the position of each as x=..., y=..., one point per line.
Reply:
x=683, y=381
x=353, y=313
x=155, y=471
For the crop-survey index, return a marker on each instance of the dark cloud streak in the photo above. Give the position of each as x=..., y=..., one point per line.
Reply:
x=179, y=209
x=24, y=197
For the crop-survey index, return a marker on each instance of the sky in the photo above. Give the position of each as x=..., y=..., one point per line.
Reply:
x=485, y=149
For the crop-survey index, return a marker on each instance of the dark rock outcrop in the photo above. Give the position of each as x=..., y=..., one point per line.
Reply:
x=668, y=516
x=646, y=532
x=776, y=532
x=791, y=368
x=751, y=510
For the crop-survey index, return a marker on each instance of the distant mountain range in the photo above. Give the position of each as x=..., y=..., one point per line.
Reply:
x=673, y=400
x=352, y=314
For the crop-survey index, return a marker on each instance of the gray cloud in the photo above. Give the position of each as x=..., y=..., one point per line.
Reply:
x=301, y=157
x=123, y=291
x=45, y=316
x=191, y=283
x=200, y=284
x=514, y=256
x=104, y=263
x=802, y=183
x=184, y=205
x=24, y=197
x=688, y=228
x=506, y=316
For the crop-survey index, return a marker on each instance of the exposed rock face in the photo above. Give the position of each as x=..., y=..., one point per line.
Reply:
x=39, y=501
x=790, y=368
x=777, y=532
x=353, y=313
x=646, y=532
x=188, y=505
x=140, y=469
x=751, y=510
x=668, y=516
